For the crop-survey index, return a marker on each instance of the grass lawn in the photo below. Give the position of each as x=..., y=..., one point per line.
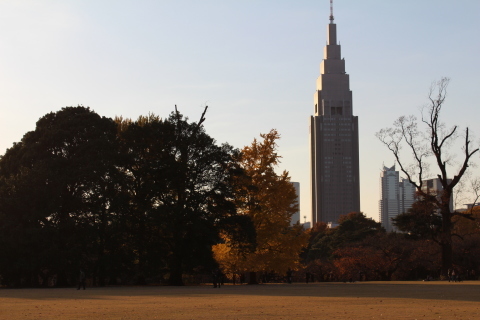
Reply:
x=361, y=300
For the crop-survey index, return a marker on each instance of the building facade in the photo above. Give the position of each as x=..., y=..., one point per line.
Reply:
x=296, y=216
x=407, y=195
x=335, y=178
x=434, y=187
x=396, y=196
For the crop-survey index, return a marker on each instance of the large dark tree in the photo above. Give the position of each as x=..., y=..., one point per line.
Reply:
x=54, y=196
x=432, y=147
x=352, y=228
x=180, y=192
x=200, y=196
x=421, y=221
x=146, y=167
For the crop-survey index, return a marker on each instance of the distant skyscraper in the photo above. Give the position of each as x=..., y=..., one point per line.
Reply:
x=407, y=195
x=335, y=179
x=389, y=197
x=296, y=216
x=434, y=187
x=396, y=196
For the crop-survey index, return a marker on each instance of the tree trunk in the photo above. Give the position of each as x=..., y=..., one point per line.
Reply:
x=101, y=249
x=62, y=279
x=101, y=273
x=447, y=253
x=252, y=277
x=176, y=271
x=175, y=278
x=446, y=239
x=141, y=244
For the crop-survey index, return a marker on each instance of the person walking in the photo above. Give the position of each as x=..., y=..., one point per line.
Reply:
x=289, y=275
x=215, y=278
x=454, y=275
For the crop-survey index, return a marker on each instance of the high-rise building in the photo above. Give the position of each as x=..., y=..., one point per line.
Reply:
x=434, y=187
x=396, y=196
x=335, y=178
x=406, y=195
x=389, y=196
x=296, y=216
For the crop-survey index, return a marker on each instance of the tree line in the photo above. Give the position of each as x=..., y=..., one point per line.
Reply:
x=360, y=249
x=155, y=200
x=132, y=201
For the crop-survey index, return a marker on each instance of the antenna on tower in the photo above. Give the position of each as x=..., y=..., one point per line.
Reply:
x=331, y=11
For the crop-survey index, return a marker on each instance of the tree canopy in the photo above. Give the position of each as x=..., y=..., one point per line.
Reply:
x=121, y=199
x=54, y=195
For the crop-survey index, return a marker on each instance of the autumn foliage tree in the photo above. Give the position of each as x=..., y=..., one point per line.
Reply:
x=269, y=200
x=383, y=256
x=467, y=243
x=360, y=249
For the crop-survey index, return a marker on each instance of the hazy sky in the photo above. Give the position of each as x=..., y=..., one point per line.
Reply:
x=254, y=63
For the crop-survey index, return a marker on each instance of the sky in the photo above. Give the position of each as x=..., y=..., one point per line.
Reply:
x=254, y=63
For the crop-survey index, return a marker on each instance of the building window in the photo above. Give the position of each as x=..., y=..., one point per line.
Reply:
x=336, y=111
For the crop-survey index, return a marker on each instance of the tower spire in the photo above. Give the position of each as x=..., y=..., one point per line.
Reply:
x=331, y=11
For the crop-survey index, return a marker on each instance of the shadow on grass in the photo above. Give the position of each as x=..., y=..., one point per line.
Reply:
x=464, y=291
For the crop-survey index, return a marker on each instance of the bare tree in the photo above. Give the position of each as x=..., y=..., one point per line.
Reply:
x=426, y=149
x=468, y=190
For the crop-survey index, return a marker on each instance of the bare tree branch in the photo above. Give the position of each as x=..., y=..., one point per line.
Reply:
x=435, y=144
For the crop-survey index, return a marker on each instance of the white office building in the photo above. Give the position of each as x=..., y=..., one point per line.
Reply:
x=396, y=196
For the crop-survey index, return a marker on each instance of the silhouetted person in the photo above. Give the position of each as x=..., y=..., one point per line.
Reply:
x=81, y=280
x=216, y=278
x=289, y=275
x=454, y=275
x=221, y=279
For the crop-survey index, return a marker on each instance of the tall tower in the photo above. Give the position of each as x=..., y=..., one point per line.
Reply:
x=335, y=178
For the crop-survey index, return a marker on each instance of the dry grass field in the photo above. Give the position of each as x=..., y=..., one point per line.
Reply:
x=366, y=300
